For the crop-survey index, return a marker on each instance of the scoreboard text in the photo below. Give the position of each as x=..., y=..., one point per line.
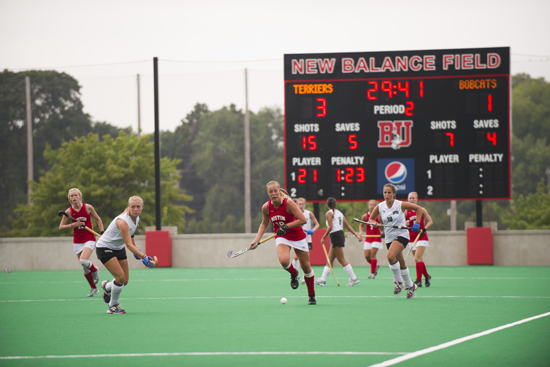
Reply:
x=436, y=122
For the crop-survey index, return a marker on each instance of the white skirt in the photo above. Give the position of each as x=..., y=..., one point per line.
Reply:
x=369, y=245
x=300, y=245
x=78, y=247
x=419, y=244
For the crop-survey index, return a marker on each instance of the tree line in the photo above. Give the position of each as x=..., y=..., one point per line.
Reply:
x=203, y=162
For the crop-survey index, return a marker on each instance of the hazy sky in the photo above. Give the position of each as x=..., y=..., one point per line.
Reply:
x=204, y=46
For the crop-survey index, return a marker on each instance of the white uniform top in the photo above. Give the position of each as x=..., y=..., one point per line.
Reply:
x=337, y=221
x=112, y=238
x=393, y=216
x=309, y=225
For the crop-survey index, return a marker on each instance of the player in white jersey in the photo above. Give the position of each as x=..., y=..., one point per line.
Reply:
x=110, y=251
x=309, y=228
x=335, y=226
x=392, y=214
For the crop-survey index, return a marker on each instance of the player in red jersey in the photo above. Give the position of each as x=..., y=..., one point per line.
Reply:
x=421, y=244
x=287, y=221
x=84, y=242
x=372, y=244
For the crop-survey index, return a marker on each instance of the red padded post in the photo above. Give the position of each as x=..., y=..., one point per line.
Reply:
x=480, y=245
x=317, y=255
x=159, y=244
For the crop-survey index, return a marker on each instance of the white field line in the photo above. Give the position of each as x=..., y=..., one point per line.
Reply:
x=256, y=297
x=200, y=354
x=408, y=356
x=262, y=279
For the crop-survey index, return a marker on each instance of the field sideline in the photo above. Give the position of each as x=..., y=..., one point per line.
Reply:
x=476, y=315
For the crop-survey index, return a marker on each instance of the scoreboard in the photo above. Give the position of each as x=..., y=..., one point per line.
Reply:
x=435, y=121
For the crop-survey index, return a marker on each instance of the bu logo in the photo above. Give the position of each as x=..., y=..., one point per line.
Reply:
x=394, y=134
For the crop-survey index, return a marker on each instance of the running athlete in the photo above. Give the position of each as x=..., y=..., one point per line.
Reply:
x=392, y=213
x=111, y=252
x=287, y=220
x=372, y=243
x=421, y=244
x=83, y=240
x=336, y=222
x=309, y=228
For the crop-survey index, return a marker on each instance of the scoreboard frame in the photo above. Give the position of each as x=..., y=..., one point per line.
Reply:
x=432, y=121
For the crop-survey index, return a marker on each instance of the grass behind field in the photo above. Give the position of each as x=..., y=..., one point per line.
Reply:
x=232, y=316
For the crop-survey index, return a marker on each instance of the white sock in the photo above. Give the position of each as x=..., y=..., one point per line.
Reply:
x=326, y=273
x=406, y=277
x=396, y=272
x=348, y=269
x=115, y=293
x=109, y=285
x=296, y=264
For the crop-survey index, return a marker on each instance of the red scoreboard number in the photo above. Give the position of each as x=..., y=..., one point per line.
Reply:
x=439, y=118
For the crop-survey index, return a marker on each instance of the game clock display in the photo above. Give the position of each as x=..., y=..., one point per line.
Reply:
x=436, y=122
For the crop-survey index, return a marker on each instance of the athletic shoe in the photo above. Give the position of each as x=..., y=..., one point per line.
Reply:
x=376, y=271
x=311, y=300
x=106, y=294
x=353, y=282
x=303, y=280
x=398, y=288
x=295, y=280
x=371, y=276
x=320, y=281
x=427, y=280
x=410, y=291
x=115, y=309
x=418, y=283
x=93, y=292
x=95, y=275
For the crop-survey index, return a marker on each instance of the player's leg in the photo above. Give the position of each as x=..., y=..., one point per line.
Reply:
x=339, y=253
x=86, y=262
x=373, y=262
x=283, y=253
x=417, y=253
x=79, y=250
x=114, y=266
x=326, y=270
x=394, y=249
x=308, y=274
x=409, y=285
x=296, y=262
x=419, y=259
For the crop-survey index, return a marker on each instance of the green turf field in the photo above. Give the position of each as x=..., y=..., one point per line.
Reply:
x=233, y=317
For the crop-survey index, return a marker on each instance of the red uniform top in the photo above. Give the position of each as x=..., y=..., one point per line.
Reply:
x=281, y=215
x=80, y=235
x=411, y=217
x=372, y=230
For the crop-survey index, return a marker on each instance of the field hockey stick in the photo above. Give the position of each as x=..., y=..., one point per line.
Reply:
x=62, y=213
x=231, y=255
x=383, y=225
x=420, y=234
x=330, y=266
x=371, y=235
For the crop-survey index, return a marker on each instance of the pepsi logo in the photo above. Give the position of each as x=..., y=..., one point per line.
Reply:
x=395, y=172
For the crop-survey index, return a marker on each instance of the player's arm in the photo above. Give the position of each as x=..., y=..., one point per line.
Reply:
x=312, y=217
x=328, y=217
x=291, y=207
x=373, y=216
x=64, y=225
x=364, y=219
x=262, y=228
x=350, y=228
x=94, y=214
x=127, y=237
x=428, y=219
